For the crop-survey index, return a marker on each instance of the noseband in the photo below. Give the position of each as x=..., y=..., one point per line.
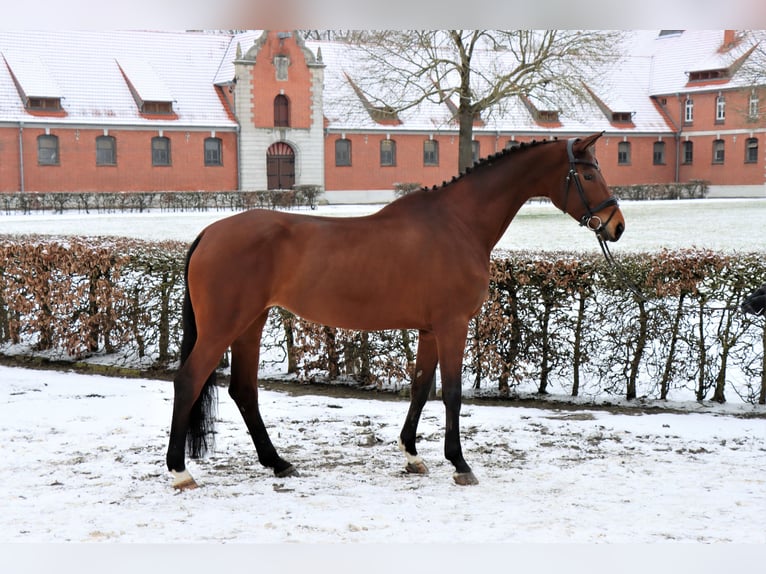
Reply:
x=590, y=219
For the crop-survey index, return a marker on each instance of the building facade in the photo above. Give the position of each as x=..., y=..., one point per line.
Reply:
x=200, y=111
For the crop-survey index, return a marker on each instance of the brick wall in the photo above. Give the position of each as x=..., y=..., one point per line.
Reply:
x=133, y=171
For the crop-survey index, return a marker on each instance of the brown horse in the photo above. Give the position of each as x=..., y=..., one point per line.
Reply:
x=421, y=262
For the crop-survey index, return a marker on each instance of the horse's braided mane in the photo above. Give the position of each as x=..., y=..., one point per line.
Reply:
x=488, y=161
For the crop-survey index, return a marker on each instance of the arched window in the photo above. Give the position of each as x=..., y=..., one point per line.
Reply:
x=387, y=152
x=342, y=152
x=623, y=153
x=430, y=152
x=47, y=150
x=658, y=156
x=688, y=151
x=106, y=150
x=751, y=150
x=160, y=151
x=213, y=151
x=281, y=111
x=718, y=151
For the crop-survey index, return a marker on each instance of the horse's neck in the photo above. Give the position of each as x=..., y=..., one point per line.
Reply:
x=488, y=199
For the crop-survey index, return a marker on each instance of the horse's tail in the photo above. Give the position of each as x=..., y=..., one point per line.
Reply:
x=200, y=436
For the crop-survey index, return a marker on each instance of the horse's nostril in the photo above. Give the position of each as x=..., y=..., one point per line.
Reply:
x=618, y=229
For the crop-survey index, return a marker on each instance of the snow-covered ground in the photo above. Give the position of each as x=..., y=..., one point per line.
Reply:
x=83, y=461
x=83, y=457
x=718, y=224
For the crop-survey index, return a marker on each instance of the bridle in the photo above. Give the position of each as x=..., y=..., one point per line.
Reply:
x=590, y=219
x=593, y=221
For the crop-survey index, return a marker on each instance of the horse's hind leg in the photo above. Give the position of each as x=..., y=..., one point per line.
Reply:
x=245, y=353
x=188, y=385
x=425, y=367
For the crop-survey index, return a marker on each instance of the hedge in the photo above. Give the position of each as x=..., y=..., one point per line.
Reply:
x=134, y=201
x=553, y=322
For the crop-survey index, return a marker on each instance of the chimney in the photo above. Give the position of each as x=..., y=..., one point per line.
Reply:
x=729, y=39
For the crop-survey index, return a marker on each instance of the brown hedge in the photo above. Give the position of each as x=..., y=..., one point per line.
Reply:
x=559, y=322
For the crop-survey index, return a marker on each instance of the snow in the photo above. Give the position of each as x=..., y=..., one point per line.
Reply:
x=83, y=461
x=718, y=224
x=83, y=457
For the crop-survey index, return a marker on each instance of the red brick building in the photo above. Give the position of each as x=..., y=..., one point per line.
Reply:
x=167, y=111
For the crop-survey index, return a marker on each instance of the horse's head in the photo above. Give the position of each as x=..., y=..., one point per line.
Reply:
x=585, y=195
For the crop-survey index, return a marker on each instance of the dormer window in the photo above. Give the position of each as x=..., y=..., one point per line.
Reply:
x=147, y=88
x=36, y=87
x=622, y=117
x=705, y=75
x=538, y=113
x=156, y=107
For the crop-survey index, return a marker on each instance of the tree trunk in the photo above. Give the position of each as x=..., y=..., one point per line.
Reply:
x=577, y=352
x=643, y=320
x=762, y=396
x=665, y=382
x=546, y=348
x=287, y=324
x=465, y=137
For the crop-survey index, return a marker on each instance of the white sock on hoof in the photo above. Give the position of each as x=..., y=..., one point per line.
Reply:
x=181, y=478
x=411, y=458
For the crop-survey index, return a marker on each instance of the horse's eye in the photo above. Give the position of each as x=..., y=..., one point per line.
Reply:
x=588, y=176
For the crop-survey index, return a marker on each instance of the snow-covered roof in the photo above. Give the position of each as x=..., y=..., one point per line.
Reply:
x=32, y=76
x=87, y=70
x=83, y=69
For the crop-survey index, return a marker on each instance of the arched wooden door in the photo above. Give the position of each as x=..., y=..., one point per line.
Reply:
x=280, y=166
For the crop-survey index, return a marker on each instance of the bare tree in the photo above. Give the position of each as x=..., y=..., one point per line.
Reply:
x=476, y=72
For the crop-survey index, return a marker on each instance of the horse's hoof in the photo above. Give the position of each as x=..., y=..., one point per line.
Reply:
x=465, y=478
x=289, y=471
x=416, y=467
x=183, y=481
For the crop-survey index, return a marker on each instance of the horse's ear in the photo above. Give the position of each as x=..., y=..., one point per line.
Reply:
x=584, y=143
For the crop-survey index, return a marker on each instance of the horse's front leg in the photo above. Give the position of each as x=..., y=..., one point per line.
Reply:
x=425, y=367
x=451, y=349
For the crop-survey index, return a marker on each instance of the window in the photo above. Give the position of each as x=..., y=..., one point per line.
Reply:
x=689, y=111
x=157, y=108
x=213, y=151
x=718, y=150
x=688, y=152
x=281, y=111
x=160, y=151
x=623, y=153
x=475, y=151
x=430, y=152
x=47, y=150
x=720, y=109
x=106, y=150
x=342, y=152
x=752, y=110
x=44, y=104
x=751, y=150
x=659, y=153
x=388, y=152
